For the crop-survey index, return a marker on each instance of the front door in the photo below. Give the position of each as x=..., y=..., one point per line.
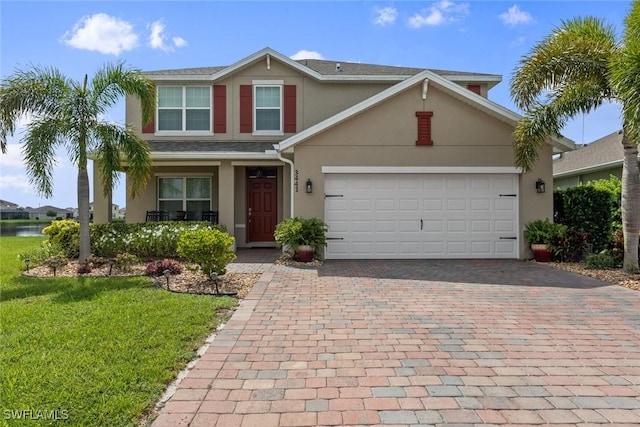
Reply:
x=262, y=200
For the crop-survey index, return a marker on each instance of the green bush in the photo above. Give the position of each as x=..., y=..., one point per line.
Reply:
x=586, y=209
x=150, y=240
x=613, y=186
x=570, y=246
x=66, y=235
x=604, y=259
x=42, y=255
x=294, y=232
x=211, y=249
x=543, y=231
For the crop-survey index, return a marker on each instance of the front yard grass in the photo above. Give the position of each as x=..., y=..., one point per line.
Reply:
x=92, y=351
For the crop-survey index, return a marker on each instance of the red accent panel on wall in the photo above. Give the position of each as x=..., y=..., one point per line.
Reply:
x=424, y=127
x=151, y=127
x=289, y=108
x=475, y=89
x=219, y=109
x=246, y=108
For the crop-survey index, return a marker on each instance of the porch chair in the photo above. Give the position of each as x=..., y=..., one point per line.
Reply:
x=157, y=216
x=211, y=216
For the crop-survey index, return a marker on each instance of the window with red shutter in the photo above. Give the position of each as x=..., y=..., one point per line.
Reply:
x=219, y=109
x=424, y=127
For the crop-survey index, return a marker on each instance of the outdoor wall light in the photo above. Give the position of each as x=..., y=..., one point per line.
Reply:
x=309, y=186
x=540, y=187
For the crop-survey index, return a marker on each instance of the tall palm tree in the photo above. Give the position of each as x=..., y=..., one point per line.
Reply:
x=575, y=69
x=67, y=113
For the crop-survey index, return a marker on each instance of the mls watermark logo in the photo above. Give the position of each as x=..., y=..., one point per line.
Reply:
x=36, y=414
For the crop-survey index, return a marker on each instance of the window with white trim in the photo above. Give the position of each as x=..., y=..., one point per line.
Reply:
x=268, y=108
x=184, y=109
x=190, y=194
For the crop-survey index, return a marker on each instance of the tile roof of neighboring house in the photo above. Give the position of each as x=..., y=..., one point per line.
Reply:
x=600, y=154
x=47, y=208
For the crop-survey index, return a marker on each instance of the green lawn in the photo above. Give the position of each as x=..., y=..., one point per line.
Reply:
x=96, y=351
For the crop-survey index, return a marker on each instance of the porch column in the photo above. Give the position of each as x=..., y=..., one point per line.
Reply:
x=226, y=196
x=101, y=204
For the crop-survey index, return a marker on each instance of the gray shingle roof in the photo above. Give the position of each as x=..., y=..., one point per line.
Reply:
x=177, y=146
x=327, y=67
x=603, y=151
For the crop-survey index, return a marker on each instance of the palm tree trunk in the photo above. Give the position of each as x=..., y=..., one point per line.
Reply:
x=630, y=205
x=83, y=213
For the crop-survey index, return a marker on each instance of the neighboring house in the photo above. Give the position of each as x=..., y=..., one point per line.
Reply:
x=42, y=211
x=10, y=210
x=597, y=160
x=399, y=162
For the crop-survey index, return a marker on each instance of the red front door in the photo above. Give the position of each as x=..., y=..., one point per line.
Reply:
x=262, y=200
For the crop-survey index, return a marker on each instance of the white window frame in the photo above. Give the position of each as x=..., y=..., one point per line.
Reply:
x=184, y=113
x=184, y=178
x=268, y=83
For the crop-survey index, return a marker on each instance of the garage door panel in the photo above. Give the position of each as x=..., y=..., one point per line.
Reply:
x=422, y=215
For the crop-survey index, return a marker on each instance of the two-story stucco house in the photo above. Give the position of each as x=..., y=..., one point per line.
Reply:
x=399, y=162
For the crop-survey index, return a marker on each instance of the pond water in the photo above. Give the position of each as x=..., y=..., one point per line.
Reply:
x=21, y=230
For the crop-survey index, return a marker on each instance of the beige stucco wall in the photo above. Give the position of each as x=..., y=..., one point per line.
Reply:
x=386, y=136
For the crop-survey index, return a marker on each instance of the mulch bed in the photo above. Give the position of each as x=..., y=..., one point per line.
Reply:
x=615, y=276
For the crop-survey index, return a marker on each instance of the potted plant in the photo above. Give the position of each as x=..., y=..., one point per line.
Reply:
x=540, y=234
x=302, y=236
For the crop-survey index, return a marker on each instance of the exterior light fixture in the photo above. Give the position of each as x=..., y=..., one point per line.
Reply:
x=540, y=187
x=309, y=186
x=112, y=261
x=54, y=266
x=167, y=273
x=26, y=262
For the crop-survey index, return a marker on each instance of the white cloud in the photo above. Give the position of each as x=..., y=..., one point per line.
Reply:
x=306, y=54
x=440, y=13
x=179, y=42
x=16, y=182
x=158, y=39
x=514, y=16
x=12, y=158
x=102, y=33
x=385, y=16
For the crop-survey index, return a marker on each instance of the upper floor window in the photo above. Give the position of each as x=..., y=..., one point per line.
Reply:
x=268, y=108
x=184, y=108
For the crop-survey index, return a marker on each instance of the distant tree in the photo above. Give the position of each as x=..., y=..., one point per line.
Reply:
x=575, y=69
x=69, y=113
x=51, y=213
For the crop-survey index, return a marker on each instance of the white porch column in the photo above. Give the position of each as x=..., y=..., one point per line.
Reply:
x=226, y=196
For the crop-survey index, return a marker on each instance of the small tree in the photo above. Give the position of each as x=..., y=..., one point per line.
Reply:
x=51, y=213
x=211, y=249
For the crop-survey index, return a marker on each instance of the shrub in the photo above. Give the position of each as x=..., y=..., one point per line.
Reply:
x=600, y=260
x=65, y=234
x=570, y=246
x=586, y=209
x=125, y=261
x=42, y=255
x=157, y=268
x=613, y=186
x=543, y=231
x=293, y=232
x=210, y=248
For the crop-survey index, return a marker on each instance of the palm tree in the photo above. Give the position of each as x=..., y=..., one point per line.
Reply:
x=575, y=69
x=67, y=113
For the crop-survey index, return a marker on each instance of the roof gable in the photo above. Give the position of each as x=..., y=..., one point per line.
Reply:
x=425, y=77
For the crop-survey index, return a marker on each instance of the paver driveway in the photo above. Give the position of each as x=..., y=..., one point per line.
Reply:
x=419, y=343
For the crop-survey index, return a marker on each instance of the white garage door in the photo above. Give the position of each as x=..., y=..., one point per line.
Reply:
x=421, y=215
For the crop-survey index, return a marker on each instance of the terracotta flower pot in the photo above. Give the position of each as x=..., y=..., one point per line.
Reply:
x=305, y=253
x=541, y=252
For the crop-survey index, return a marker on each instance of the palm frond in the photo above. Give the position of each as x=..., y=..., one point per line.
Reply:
x=40, y=142
x=577, y=51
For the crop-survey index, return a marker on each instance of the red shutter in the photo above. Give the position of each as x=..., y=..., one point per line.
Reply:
x=475, y=89
x=289, y=108
x=219, y=109
x=151, y=127
x=246, y=108
x=424, y=127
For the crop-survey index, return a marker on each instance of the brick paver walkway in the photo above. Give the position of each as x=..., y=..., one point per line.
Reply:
x=419, y=343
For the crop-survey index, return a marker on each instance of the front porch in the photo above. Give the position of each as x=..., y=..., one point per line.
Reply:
x=248, y=197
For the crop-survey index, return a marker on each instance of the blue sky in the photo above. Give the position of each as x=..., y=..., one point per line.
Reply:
x=79, y=37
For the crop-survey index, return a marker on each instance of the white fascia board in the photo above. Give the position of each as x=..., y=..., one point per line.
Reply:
x=490, y=79
x=180, y=77
x=422, y=169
